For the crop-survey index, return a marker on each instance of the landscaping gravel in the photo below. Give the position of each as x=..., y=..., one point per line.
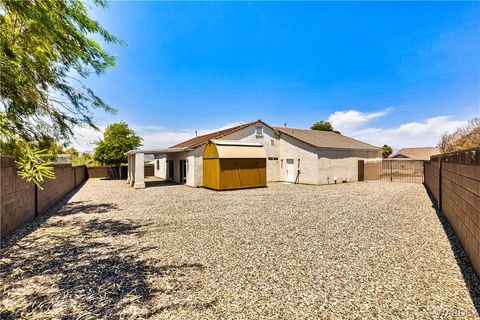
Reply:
x=358, y=250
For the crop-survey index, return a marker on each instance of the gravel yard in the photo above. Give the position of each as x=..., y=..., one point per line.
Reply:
x=358, y=250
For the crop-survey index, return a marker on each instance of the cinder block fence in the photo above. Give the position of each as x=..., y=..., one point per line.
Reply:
x=21, y=202
x=111, y=172
x=454, y=181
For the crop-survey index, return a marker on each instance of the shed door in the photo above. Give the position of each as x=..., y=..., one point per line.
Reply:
x=290, y=170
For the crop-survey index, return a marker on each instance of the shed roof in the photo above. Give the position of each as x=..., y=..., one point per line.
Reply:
x=219, y=142
x=228, y=149
x=326, y=139
x=422, y=153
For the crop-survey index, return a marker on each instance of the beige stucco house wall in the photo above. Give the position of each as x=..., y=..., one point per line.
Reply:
x=342, y=165
x=304, y=158
x=270, y=142
x=311, y=164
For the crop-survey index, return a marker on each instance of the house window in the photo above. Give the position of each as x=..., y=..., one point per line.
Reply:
x=272, y=142
x=298, y=163
x=281, y=163
x=259, y=131
x=158, y=164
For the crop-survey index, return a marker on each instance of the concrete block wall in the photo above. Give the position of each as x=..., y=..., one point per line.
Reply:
x=432, y=178
x=17, y=198
x=80, y=174
x=461, y=205
x=111, y=172
x=18, y=202
x=55, y=189
x=454, y=181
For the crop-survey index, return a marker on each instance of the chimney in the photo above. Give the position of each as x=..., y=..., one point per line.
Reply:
x=196, y=134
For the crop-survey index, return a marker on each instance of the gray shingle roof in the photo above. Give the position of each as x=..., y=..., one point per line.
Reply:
x=422, y=153
x=325, y=139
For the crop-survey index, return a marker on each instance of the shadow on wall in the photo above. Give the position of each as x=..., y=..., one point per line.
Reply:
x=472, y=280
x=76, y=274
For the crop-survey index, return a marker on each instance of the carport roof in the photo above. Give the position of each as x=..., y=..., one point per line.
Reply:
x=157, y=151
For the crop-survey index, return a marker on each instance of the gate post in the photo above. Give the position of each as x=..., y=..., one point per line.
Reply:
x=361, y=170
x=391, y=172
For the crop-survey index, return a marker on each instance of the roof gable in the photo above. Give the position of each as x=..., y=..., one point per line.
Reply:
x=203, y=139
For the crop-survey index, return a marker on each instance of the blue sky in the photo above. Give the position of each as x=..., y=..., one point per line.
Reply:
x=393, y=72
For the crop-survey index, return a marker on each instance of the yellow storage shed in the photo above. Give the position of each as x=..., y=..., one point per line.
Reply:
x=230, y=164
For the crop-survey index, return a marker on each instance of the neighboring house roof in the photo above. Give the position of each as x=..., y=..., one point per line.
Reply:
x=201, y=140
x=423, y=153
x=325, y=139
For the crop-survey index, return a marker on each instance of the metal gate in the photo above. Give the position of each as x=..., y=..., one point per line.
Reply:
x=403, y=170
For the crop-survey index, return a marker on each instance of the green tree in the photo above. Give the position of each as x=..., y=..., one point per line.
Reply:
x=118, y=138
x=46, y=47
x=386, y=151
x=85, y=159
x=71, y=151
x=43, y=43
x=50, y=145
x=34, y=166
x=324, y=126
x=73, y=155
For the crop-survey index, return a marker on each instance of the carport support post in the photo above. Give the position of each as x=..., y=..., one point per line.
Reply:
x=129, y=167
x=139, y=171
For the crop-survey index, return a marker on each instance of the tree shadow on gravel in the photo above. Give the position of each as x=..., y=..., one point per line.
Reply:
x=86, y=207
x=33, y=225
x=153, y=183
x=472, y=280
x=94, y=279
x=96, y=227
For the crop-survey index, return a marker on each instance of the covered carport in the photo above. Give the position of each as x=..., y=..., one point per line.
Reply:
x=136, y=160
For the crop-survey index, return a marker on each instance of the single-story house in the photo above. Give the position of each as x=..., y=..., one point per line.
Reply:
x=422, y=153
x=292, y=155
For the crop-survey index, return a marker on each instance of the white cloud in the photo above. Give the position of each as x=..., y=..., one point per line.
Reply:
x=154, y=137
x=350, y=119
x=84, y=138
x=411, y=134
x=162, y=138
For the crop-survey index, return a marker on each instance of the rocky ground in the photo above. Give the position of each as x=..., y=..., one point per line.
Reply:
x=357, y=250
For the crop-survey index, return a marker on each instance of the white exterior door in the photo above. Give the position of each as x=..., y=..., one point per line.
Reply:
x=290, y=170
